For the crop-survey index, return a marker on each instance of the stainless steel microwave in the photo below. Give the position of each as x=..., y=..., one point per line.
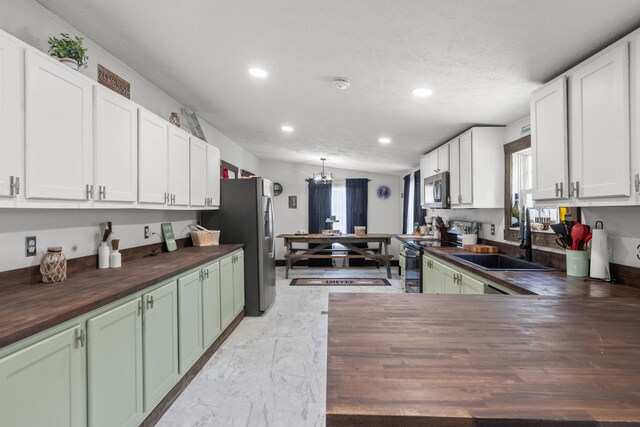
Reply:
x=436, y=191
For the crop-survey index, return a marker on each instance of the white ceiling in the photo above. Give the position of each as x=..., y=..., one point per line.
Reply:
x=481, y=58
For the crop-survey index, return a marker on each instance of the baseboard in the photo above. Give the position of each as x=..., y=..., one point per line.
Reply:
x=305, y=263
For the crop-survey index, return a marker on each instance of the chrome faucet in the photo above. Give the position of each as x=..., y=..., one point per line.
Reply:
x=524, y=234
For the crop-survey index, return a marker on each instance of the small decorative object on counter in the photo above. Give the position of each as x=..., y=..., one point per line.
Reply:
x=174, y=119
x=116, y=257
x=203, y=237
x=103, y=255
x=360, y=230
x=53, y=266
x=169, y=238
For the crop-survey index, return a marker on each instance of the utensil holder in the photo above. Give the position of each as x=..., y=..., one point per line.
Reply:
x=469, y=239
x=578, y=263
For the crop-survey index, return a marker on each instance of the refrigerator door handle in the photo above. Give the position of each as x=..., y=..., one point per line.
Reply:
x=272, y=249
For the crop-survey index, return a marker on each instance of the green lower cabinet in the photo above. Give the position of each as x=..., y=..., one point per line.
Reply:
x=45, y=384
x=469, y=285
x=160, y=343
x=211, y=322
x=190, y=319
x=114, y=362
x=449, y=280
x=226, y=291
x=238, y=283
x=431, y=276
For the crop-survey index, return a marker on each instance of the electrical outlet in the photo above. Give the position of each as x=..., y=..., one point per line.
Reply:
x=147, y=233
x=493, y=229
x=30, y=246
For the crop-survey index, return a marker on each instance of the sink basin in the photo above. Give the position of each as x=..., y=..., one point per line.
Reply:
x=500, y=262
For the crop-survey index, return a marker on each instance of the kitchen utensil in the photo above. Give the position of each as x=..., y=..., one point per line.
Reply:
x=561, y=242
x=578, y=233
x=587, y=239
x=561, y=233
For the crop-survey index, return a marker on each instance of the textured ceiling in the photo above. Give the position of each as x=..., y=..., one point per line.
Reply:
x=481, y=58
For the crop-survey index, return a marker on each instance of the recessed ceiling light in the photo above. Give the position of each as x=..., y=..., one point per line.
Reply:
x=258, y=72
x=287, y=128
x=422, y=92
x=384, y=140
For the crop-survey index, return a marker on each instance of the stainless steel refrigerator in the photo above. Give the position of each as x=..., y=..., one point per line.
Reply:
x=246, y=216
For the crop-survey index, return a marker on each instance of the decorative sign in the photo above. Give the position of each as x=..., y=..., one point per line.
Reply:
x=169, y=238
x=191, y=119
x=114, y=82
x=526, y=130
x=293, y=202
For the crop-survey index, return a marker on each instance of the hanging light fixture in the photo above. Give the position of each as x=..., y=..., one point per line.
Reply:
x=322, y=177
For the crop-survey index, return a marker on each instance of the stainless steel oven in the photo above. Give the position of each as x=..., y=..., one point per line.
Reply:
x=410, y=268
x=436, y=191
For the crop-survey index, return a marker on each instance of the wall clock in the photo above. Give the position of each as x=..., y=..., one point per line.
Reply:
x=277, y=189
x=384, y=192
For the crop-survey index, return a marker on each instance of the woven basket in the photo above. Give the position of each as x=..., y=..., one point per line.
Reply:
x=203, y=237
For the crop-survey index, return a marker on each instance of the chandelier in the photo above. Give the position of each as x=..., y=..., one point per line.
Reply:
x=322, y=177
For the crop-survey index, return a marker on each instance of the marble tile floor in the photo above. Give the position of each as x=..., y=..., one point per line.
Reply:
x=272, y=370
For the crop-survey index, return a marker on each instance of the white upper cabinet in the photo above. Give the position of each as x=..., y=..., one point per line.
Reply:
x=443, y=158
x=424, y=173
x=116, y=147
x=466, y=169
x=549, y=142
x=59, y=135
x=198, y=172
x=454, y=172
x=178, y=166
x=600, y=144
x=635, y=115
x=10, y=117
x=213, y=175
x=152, y=158
x=432, y=162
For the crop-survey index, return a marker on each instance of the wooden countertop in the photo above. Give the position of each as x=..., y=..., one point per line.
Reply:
x=372, y=236
x=31, y=309
x=555, y=283
x=482, y=360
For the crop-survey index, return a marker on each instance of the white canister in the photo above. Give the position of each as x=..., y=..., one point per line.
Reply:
x=103, y=255
x=469, y=239
x=116, y=259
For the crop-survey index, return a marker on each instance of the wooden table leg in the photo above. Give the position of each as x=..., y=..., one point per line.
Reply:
x=287, y=245
x=386, y=252
x=380, y=252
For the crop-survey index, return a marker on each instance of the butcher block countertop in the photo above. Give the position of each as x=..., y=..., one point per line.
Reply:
x=30, y=309
x=482, y=360
x=554, y=283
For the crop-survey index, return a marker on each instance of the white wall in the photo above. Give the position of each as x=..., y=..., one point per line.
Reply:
x=384, y=216
x=77, y=231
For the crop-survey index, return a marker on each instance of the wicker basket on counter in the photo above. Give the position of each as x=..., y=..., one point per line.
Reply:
x=203, y=237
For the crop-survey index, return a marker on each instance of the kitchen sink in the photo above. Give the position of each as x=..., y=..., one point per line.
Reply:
x=500, y=262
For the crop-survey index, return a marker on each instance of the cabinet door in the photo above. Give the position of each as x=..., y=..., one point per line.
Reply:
x=600, y=147
x=466, y=169
x=178, y=161
x=432, y=162
x=226, y=291
x=189, y=319
x=211, y=326
x=198, y=174
x=152, y=158
x=10, y=116
x=45, y=383
x=238, y=283
x=470, y=285
x=443, y=158
x=449, y=280
x=424, y=173
x=160, y=341
x=431, y=276
x=116, y=147
x=549, y=141
x=59, y=135
x=115, y=366
x=454, y=171
x=213, y=174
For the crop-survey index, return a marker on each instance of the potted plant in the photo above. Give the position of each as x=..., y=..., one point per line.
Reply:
x=69, y=51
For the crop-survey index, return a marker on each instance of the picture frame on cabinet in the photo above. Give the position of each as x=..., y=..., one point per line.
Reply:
x=169, y=237
x=191, y=119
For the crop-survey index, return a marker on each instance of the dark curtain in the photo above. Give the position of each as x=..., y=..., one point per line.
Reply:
x=319, y=211
x=417, y=209
x=319, y=206
x=357, y=203
x=405, y=201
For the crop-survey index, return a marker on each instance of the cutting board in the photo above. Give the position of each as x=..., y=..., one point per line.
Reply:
x=480, y=248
